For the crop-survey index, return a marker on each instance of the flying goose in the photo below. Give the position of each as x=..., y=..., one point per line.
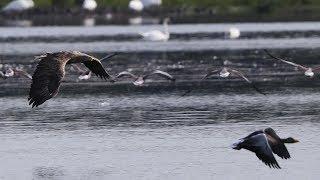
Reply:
x=264, y=143
x=51, y=70
x=139, y=80
x=308, y=71
x=225, y=72
x=156, y=35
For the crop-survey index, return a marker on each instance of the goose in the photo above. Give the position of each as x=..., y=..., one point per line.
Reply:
x=308, y=71
x=139, y=80
x=90, y=5
x=136, y=5
x=156, y=35
x=10, y=72
x=234, y=33
x=225, y=72
x=19, y=5
x=50, y=72
x=264, y=143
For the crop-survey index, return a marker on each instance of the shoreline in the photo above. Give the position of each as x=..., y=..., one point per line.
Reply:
x=123, y=16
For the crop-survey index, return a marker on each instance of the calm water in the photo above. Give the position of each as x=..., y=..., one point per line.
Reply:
x=155, y=136
x=94, y=130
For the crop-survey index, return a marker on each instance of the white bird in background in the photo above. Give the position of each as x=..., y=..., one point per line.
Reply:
x=156, y=35
x=136, y=5
x=89, y=5
x=234, y=33
x=19, y=5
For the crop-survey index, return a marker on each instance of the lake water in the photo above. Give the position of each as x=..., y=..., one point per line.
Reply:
x=96, y=130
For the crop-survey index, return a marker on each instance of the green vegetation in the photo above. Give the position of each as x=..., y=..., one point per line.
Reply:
x=253, y=5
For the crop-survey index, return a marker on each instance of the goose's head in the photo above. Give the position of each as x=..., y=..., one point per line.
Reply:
x=224, y=73
x=309, y=73
x=290, y=140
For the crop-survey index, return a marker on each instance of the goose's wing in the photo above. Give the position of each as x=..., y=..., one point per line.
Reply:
x=126, y=74
x=285, y=61
x=46, y=79
x=96, y=67
x=276, y=145
x=259, y=145
x=23, y=73
x=240, y=74
x=253, y=134
x=160, y=73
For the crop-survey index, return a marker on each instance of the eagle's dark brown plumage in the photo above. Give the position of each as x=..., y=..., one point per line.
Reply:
x=51, y=70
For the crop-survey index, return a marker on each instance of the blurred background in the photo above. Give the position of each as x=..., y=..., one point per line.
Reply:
x=97, y=130
x=50, y=12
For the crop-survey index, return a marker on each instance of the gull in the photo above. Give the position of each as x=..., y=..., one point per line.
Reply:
x=264, y=143
x=136, y=5
x=234, y=33
x=139, y=80
x=50, y=72
x=156, y=35
x=11, y=72
x=89, y=5
x=226, y=72
x=84, y=74
x=308, y=71
x=19, y=5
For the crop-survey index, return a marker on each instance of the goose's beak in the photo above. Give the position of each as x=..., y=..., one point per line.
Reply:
x=295, y=140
